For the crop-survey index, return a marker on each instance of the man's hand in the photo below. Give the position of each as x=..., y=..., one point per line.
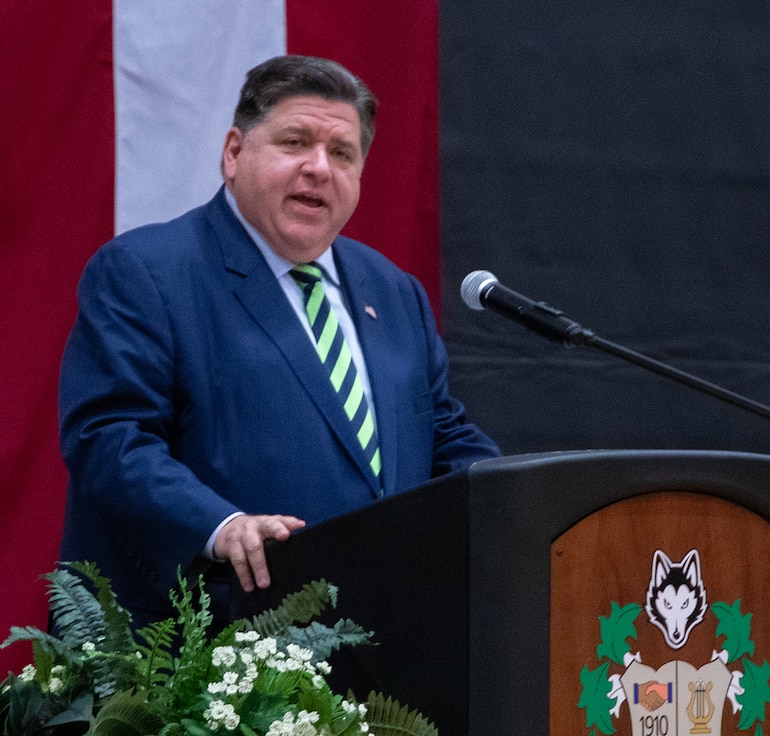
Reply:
x=242, y=542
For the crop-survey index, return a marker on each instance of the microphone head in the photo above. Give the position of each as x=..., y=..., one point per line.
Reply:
x=473, y=287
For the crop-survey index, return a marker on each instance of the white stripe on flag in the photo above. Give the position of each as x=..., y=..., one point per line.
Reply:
x=179, y=66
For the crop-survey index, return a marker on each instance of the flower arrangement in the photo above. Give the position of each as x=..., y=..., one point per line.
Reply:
x=260, y=677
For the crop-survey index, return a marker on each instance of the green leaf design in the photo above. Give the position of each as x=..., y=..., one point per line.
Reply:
x=735, y=627
x=757, y=693
x=595, y=697
x=615, y=630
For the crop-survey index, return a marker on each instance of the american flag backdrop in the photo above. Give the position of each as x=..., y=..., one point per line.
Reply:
x=112, y=114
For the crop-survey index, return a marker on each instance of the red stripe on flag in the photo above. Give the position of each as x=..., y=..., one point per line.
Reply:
x=393, y=47
x=56, y=159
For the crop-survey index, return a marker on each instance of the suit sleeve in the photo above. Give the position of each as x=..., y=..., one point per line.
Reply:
x=457, y=442
x=118, y=404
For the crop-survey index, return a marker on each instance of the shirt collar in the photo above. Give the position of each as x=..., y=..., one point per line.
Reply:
x=279, y=265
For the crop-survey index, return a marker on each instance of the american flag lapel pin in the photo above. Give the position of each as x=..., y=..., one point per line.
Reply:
x=370, y=311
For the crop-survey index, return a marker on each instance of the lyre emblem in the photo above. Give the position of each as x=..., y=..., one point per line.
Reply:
x=700, y=709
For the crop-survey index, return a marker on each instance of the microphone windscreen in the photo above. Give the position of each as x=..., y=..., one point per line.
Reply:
x=473, y=285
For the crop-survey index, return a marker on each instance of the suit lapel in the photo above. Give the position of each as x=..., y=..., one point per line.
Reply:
x=264, y=300
x=369, y=312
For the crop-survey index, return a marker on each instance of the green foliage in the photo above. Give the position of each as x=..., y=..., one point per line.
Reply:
x=126, y=714
x=25, y=708
x=615, y=630
x=324, y=640
x=174, y=680
x=298, y=607
x=190, y=669
x=389, y=718
x=735, y=627
x=595, y=697
x=756, y=693
x=87, y=615
x=45, y=646
x=157, y=661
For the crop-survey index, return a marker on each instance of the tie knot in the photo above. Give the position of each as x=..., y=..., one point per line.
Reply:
x=307, y=273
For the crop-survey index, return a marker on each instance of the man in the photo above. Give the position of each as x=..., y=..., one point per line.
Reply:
x=198, y=418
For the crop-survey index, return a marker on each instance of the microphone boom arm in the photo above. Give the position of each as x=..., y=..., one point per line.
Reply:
x=675, y=374
x=481, y=289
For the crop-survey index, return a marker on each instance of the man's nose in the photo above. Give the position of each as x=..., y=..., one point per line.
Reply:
x=317, y=161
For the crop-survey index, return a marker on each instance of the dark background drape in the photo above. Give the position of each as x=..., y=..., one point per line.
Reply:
x=613, y=160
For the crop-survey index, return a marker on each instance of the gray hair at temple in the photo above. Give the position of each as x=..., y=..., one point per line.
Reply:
x=291, y=76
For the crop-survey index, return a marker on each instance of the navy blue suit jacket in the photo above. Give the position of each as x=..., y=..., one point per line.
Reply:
x=189, y=390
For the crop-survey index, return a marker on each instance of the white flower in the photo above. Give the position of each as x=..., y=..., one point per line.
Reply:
x=88, y=646
x=223, y=657
x=245, y=686
x=246, y=636
x=297, y=652
x=265, y=647
x=230, y=678
x=231, y=721
x=364, y=727
x=247, y=656
x=302, y=726
x=219, y=714
x=28, y=673
x=55, y=684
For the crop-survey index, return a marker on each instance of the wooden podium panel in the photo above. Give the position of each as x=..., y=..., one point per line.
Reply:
x=606, y=560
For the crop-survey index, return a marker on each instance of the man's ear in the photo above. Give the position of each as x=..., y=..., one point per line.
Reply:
x=230, y=153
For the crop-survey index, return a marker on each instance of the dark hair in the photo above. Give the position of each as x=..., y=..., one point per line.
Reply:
x=290, y=76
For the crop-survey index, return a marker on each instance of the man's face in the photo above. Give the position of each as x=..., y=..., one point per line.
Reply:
x=296, y=175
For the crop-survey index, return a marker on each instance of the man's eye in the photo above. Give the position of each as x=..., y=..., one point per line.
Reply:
x=292, y=143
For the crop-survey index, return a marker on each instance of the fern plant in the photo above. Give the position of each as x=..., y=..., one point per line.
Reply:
x=258, y=677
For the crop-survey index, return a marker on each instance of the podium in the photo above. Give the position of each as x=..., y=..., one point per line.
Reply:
x=508, y=598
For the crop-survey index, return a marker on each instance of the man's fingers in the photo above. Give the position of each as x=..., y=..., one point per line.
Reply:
x=280, y=527
x=241, y=541
x=244, y=574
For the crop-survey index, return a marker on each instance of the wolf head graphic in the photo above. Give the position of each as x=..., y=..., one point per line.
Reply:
x=676, y=598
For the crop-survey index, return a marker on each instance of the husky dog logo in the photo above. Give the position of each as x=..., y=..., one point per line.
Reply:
x=678, y=697
x=676, y=598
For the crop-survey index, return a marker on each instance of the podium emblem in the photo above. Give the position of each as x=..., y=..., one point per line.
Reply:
x=678, y=698
x=676, y=598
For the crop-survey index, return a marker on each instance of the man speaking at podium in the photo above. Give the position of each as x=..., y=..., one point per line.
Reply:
x=244, y=370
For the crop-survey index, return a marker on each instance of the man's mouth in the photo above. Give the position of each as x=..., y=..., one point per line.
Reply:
x=308, y=200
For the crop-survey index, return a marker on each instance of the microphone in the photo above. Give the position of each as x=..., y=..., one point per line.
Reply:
x=481, y=290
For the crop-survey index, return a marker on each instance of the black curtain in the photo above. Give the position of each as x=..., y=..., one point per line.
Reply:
x=612, y=159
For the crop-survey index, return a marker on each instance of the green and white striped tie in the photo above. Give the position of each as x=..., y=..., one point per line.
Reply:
x=335, y=354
